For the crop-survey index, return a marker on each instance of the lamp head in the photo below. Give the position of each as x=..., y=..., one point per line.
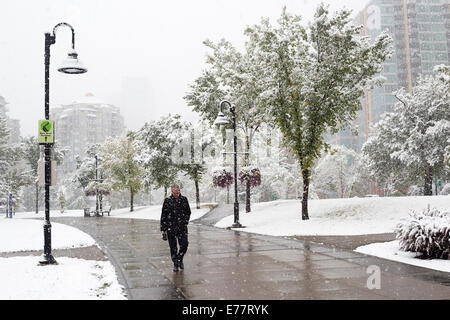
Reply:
x=71, y=65
x=221, y=120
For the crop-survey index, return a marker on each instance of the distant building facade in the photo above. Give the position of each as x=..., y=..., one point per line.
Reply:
x=13, y=124
x=421, y=33
x=82, y=123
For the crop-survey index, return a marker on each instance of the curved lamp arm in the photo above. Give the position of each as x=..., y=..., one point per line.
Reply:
x=71, y=28
x=224, y=102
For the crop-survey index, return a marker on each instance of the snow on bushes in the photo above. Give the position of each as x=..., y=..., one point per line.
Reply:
x=426, y=232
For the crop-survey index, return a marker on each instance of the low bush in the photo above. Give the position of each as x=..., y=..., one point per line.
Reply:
x=426, y=232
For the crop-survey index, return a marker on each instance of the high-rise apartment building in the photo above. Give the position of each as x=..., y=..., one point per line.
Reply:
x=82, y=123
x=421, y=33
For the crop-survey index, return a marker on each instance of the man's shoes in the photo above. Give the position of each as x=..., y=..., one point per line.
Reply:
x=175, y=267
x=180, y=263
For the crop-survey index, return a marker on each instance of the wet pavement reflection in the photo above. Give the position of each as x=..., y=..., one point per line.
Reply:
x=227, y=264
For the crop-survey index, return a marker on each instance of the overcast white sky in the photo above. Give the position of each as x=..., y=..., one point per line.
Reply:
x=141, y=55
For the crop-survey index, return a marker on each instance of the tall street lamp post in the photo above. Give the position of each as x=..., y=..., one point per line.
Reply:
x=70, y=66
x=221, y=121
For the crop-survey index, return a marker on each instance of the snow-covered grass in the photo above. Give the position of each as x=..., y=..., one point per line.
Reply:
x=154, y=212
x=145, y=212
x=355, y=216
x=28, y=235
x=74, y=279
x=23, y=278
x=391, y=251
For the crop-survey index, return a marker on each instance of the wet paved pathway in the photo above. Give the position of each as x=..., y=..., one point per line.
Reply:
x=227, y=264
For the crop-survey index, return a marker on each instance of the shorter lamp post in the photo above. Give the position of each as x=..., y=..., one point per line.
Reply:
x=222, y=121
x=96, y=189
x=98, y=193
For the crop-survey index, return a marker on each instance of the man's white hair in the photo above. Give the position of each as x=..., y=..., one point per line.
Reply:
x=175, y=186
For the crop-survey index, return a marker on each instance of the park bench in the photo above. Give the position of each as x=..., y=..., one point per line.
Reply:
x=89, y=212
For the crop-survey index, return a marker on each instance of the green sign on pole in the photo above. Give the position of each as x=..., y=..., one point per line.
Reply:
x=46, y=132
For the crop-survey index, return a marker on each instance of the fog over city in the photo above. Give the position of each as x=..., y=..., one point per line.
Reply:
x=141, y=55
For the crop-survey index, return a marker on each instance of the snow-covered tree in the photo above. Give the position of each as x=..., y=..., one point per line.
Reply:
x=83, y=181
x=340, y=171
x=32, y=152
x=120, y=162
x=13, y=173
x=62, y=201
x=314, y=78
x=157, y=141
x=234, y=76
x=198, y=141
x=86, y=166
x=280, y=174
x=412, y=140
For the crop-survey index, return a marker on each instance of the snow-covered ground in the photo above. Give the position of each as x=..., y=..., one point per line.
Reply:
x=28, y=235
x=390, y=250
x=70, y=279
x=23, y=278
x=154, y=212
x=148, y=212
x=355, y=216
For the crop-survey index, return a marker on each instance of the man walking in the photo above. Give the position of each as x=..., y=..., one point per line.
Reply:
x=174, y=220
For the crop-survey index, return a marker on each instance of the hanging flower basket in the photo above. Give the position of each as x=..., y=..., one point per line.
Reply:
x=103, y=192
x=222, y=178
x=91, y=193
x=250, y=174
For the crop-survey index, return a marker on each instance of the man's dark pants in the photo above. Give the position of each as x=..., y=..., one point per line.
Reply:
x=182, y=238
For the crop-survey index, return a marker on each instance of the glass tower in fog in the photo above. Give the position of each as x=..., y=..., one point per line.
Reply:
x=421, y=33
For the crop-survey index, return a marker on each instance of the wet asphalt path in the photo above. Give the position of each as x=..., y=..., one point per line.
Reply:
x=227, y=264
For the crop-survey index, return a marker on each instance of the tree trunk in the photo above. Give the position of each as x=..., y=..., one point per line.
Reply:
x=341, y=180
x=197, y=194
x=305, y=175
x=131, y=200
x=228, y=194
x=247, y=200
x=37, y=197
x=428, y=187
x=247, y=185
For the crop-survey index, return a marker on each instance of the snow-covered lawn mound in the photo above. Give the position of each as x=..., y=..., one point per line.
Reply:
x=145, y=212
x=27, y=235
x=353, y=216
x=154, y=212
x=75, y=279
x=53, y=214
x=391, y=251
x=71, y=278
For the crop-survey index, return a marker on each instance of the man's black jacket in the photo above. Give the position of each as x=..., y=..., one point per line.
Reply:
x=175, y=214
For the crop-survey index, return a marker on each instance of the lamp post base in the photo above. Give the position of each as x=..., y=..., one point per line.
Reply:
x=237, y=225
x=47, y=259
